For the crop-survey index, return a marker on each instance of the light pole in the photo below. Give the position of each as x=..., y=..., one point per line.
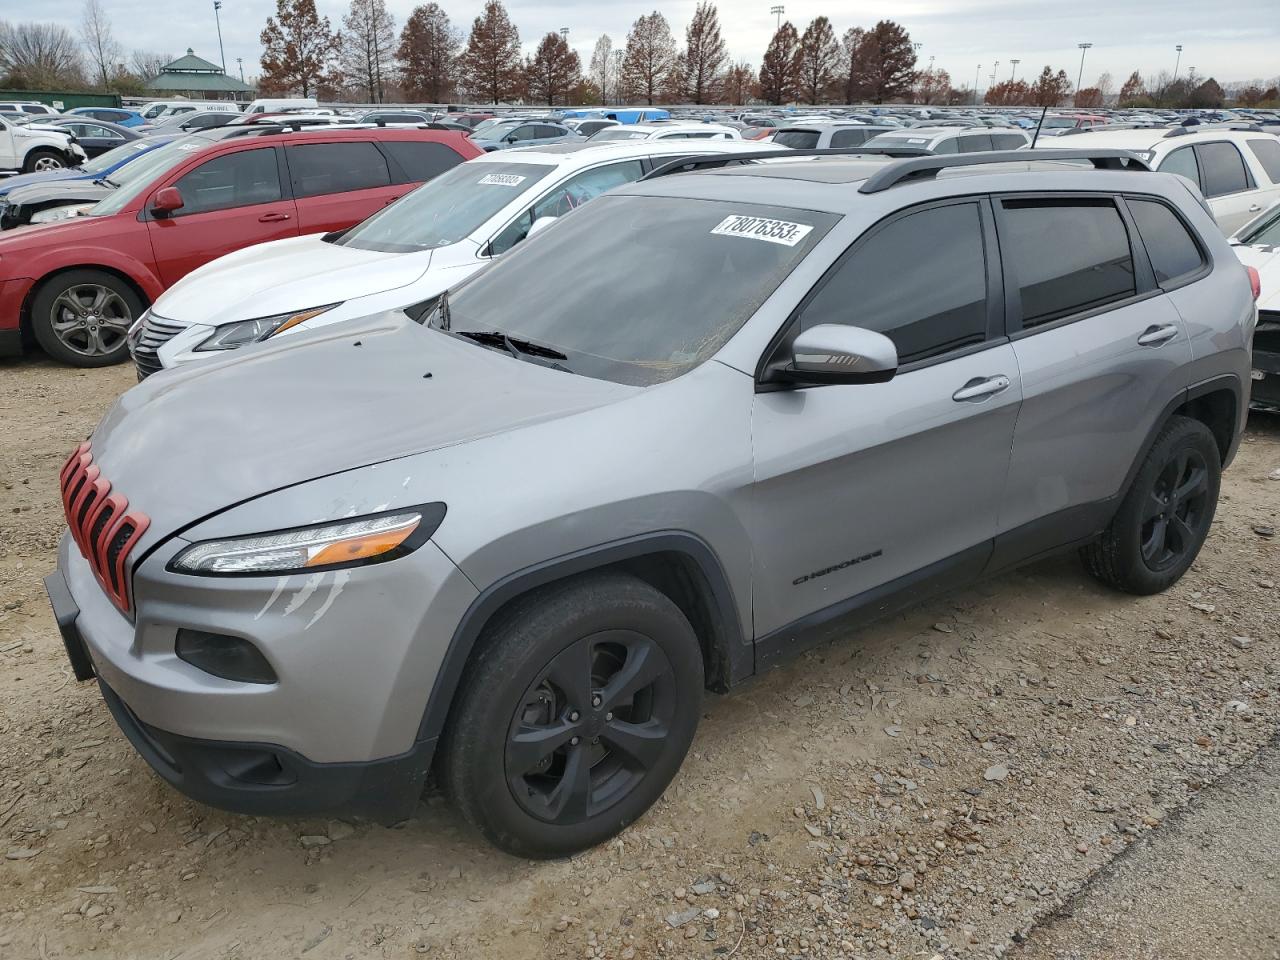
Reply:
x=564, y=32
x=1177, y=63
x=976, y=74
x=778, y=11
x=240, y=64
x=1080, y=76
x=993, y=73
x=1014, y=69
x=217, y=5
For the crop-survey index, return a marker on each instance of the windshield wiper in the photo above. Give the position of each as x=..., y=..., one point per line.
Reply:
x=107, y=182
x=515, y=346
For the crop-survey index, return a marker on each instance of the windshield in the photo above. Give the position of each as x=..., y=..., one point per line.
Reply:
x=1052, y=123
x=1266, y=233
x=797, y=139
x=667, y=281
x=137, y=176
x=105, y=161
x=446, y=209
x=613, y=133
x=488, y=128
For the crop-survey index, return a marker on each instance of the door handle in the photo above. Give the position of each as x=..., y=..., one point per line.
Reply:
x=273, y=217
x=391, y=201
x=1156, y=335
x=979, y=388
x=1255, y=207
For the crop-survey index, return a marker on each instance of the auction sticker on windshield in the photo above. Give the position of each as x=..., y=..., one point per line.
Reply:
x=760, y=228
x=502, y=179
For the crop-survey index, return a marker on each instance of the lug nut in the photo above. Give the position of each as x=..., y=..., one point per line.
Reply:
x=573, y=716
x=596, y=701
x=595, y=739
x=574, y=742
x=608, y=716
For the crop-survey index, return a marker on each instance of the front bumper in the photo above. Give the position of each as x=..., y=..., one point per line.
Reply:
x=337, y=732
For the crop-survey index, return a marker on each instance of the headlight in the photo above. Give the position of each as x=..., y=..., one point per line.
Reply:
x=54, y=214
x=233, y=335
x=372, y=539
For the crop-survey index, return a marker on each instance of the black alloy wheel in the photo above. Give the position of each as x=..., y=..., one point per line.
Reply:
x=1174, y=518
x=590, y=727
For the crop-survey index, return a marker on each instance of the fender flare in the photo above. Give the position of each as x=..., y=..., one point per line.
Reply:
x=97, y=258
x=720, y=600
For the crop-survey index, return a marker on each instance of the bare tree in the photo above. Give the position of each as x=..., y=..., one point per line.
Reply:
x=39, y=56
x=298, y=48
x=553, y=70
x=428, y=53
x=491, y=66
x=368, y=44
x=104, y=51
x=780, y=68
x=819, y=57
x=146, y=65
x=704, y=56
x=650, y=57
x=1106, y=86
x=602, y=66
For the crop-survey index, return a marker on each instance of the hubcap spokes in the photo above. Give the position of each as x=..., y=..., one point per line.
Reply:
x=47, y=163
x=1174, y=510
x=590, y=728
x=91, y=319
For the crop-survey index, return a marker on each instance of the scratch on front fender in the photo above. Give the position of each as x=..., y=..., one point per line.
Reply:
x=339, y=581
x=275, y=595
x=309, y=586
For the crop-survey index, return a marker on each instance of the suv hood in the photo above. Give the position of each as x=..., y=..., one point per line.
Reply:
x=48, y=176
x=284, y=275
x=187, y=443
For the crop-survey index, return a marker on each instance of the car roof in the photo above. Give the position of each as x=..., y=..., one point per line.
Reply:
x=585, y=153
x=1138, y=138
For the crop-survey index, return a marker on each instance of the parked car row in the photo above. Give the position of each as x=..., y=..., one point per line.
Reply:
x=747, y=404
x=77, y=286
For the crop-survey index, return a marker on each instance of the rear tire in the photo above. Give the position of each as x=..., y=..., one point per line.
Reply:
x=575, y=712
x=81, y=317
x=40, y=160
x=1163, y=520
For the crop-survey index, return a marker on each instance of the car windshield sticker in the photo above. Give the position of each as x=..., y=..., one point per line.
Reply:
x=503, y=179
x=759, y=228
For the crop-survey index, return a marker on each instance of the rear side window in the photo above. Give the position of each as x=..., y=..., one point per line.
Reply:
x=1007, y=141
x=949, y=145
x=797, y=139
x=546, y=131
x=938, y=300
x=320, y=168
x=975, y=143
x=422, y=159
x=232, y=180
x=1067, y=256
x=1268, y=154
x=1224, y=169
x=848, y=138
x=1173, y=251
x=1182, y=162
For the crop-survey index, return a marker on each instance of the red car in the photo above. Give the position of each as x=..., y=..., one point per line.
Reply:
x=77, y=286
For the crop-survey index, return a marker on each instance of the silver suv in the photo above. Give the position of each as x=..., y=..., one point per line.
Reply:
x=684, y=433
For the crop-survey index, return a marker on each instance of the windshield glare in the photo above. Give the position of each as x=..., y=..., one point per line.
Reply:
x=612, y=134
x=136, y=177
x=105, y=161
x=667, y=282
x=797, y=139
x=446, y=209
x=1266, y=233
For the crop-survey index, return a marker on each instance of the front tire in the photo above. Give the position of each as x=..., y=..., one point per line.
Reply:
x=575, y=713
x=82, y=317
x=1163, y=520
x=39, y=161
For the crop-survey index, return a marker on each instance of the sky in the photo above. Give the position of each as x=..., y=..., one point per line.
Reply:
x=1231, y=40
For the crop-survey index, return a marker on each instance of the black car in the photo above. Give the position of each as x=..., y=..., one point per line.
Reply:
x=95, y=136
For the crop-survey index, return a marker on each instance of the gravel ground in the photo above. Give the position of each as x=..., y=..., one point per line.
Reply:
x=1207, y=879
x=938, y=784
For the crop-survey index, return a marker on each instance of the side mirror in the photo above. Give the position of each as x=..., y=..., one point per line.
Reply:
x=510, y=138
x=539, y=225
x=166, y=200
x=835, y=353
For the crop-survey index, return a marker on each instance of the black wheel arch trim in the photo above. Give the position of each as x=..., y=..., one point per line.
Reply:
x=729, y=640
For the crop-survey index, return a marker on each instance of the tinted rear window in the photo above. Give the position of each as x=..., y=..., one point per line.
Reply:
x=321, y=168
x=1268, y=154
x=797, y=139
x=1224, y=170
x=849, y=138
x=1172, y=250
x=422, y=159
x=1067, y=256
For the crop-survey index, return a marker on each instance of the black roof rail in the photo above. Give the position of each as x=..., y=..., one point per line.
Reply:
x=922, y=168
x=716, y=160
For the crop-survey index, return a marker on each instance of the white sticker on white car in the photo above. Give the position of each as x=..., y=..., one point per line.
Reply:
x=502, y=179
x=761, y=228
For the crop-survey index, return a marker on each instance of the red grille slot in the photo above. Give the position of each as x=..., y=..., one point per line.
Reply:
x=100, y=522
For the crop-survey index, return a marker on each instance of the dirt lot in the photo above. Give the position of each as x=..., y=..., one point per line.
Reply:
x=937, y=784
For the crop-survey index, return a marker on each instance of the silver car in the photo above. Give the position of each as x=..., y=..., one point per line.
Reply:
x=685, y=433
